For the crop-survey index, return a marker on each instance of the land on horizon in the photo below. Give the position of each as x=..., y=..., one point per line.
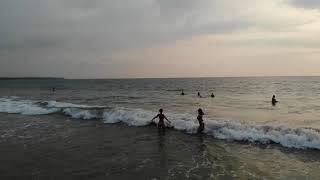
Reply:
x=5, y=78
x=30, y=77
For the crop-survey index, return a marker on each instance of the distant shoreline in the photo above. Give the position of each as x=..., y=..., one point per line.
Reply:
x=16, y=78
x=137, y=78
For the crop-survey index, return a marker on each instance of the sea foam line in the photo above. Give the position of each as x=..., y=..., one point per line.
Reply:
x=300, y=138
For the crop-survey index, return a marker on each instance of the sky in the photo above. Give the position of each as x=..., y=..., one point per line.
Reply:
x=159, y=38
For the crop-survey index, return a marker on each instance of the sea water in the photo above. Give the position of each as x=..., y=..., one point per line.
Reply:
x=100, y=128
x=241, y=109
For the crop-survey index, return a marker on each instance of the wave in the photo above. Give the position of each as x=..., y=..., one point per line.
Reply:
x=26, y=107
x=300, y=138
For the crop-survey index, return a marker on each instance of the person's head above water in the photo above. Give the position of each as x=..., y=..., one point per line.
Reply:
x=200, y=111
x=160, y=111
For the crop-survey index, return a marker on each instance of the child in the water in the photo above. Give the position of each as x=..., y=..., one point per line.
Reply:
x=161, y=117
x=274, y=100
x=200, y=119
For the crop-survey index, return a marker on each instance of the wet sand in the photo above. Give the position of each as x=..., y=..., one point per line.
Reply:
x=56, y=147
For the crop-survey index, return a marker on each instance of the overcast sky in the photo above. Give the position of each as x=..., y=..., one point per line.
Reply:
x=159, y=38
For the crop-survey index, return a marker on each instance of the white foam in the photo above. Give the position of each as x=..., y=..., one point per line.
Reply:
x=131, y=117
x=25, y=107
x=184, y=122
x=81, y=113
x=28, y=107
x=229, y=130
x=221, y=129
x=55, y=104
x=288, y=137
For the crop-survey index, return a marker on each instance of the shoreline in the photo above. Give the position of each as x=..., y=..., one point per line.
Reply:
x=58, y=147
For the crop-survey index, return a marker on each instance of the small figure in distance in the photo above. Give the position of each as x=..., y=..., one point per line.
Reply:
x=161, y=116
x=182, y=93
x=200, y=119
x=53, y=89
x=274, y=100
x=212, y=95
x=199, y=95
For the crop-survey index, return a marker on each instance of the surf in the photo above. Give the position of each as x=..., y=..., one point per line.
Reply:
x=300, y=138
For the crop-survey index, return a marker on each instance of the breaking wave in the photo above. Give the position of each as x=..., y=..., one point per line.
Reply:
x=300, y=138
x=26, y=107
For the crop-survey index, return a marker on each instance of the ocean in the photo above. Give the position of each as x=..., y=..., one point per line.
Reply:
x=100, y=128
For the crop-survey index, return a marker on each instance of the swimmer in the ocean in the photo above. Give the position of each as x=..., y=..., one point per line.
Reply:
x=200, y=119
x=212, y=95
x=53, y=89
x=182, y=93
x=199, y=95
x=274, y=100
x=161, y=116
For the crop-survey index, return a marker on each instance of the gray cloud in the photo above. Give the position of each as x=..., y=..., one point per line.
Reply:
x=111, y=25
x=313, y=4
x=71, y=37
x=80, y=31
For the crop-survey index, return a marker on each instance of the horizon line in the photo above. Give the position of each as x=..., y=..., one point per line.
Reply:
x=187, y=77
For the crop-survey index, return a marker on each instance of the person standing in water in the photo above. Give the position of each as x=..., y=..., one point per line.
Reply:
x=200, y=119
x=199, y=95
x=274, y=100
x=212, y=95
x=182, y=93
x=161, y=116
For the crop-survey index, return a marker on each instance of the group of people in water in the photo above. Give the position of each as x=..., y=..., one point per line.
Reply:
x=162, y=117
x=161, y=125
x=199, y=95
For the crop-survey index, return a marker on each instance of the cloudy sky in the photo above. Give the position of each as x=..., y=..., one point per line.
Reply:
x=159, y=38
